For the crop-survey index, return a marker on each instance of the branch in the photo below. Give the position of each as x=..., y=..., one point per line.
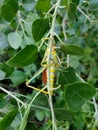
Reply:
x=54, y=125
x=87, y=17
x=9, y=93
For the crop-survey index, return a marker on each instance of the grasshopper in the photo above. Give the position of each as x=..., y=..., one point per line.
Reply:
x=54, y=63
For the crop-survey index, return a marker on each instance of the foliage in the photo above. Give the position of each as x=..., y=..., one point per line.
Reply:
x=26, y=29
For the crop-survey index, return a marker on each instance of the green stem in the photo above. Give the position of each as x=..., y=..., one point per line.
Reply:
x=63, y=27
x=20, y=23
x=54, y=125
x=26, y=114
x=65, y=38
x=9, y=93
x=87, y=17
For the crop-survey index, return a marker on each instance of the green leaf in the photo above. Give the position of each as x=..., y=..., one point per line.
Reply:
x=74, y=61
x=14, y=39
x=9, y=9
x=3, y=41
x=39, y=28
x=41, y=8
x=71, y=31
x=40, y=115
x=67, y=76
x=71, y=13
x=24, y=119
x=31, y=17
x=77, y=94
x=2, y=74
x=7, y=119
x=79, y=121
x=41, y=101
x=3, y=100
x=15, y=124
x=1, y=2
x=72, y=6
x=75, y=2
x=61, y=114
x=29, y=6
x=24, y=57
x=6, y=68
x=27, y=41
x=17, y=77
x=74, y=40
x=30, y=126
x=72, y=49
x=93, y=5
x=64, y=3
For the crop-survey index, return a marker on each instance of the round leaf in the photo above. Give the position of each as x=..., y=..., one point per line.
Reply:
x=77, y=93
x=67, y=76
x=7, y=69
x=24, y=57
x=2, y=74
x=40, y=115
x=72, y=49
x=93, y=4
x=3, y=41
x=62, y=114
x=39, y=28
x=41, y=8
x=14, y=39
x=9, y=9
x=31, y=17
x=18, y=77
x=71, y=14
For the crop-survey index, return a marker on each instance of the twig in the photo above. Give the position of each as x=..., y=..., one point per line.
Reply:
x=26, y=114
x=95, y=105
x=54, y=125
x=87, y=17
x=43, y=40
x=96, y=111
x=50, y=10
x=20, y=23
x=67, y=60
x=63, y=27
x=9, y=93
x=65, y=38
x=94, y=101
x=35, y=97
x=39, y=107
x=19, y=110
x=78, y=76
x=58, y=38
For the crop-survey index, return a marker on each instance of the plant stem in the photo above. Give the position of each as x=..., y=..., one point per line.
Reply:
x=26, y=114
x=95, y=105
x=30, y=104
x=20, y=23
x=63, y=27
x=65, y=38
x=54, y=125
x=87, y=17
x=9, y=93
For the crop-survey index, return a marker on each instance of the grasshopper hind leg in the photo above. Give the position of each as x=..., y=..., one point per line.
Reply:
x=40, y=90
x=28, y=83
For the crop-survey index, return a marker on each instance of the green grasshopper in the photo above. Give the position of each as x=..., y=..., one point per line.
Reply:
x=54, y=63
